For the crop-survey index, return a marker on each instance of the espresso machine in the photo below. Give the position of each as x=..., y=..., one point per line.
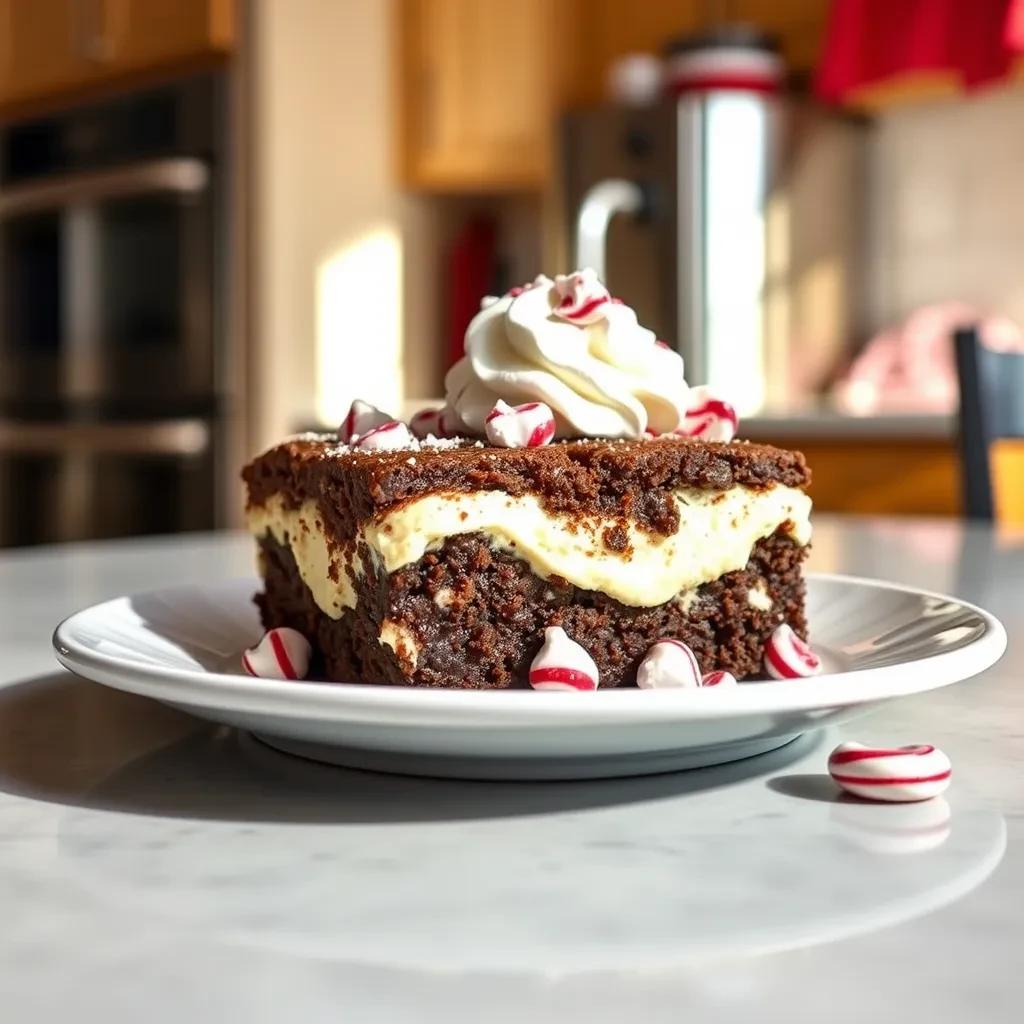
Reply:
x=730, y=214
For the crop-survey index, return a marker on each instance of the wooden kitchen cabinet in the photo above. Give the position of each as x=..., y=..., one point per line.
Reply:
x=54, y=49
x=40, y=48
x=882, y=476
x=609, y=29
x=476, y=99
x=482, y=82
x=900, y=476
x=147, y=33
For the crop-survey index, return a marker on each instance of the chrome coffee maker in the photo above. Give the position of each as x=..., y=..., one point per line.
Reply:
x=729, y=214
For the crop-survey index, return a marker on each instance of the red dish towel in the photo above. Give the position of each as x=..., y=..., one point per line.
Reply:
x=870, y=42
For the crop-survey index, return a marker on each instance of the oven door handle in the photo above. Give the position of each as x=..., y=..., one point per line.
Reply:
x=183, y=437
x=185, y=176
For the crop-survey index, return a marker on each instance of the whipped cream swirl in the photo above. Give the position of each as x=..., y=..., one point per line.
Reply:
x=602, y=376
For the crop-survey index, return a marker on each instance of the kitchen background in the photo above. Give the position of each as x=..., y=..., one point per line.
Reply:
x=222, y=220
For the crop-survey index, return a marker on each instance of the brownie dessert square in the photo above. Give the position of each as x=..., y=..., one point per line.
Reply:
x=606, y=531
x=442, y=566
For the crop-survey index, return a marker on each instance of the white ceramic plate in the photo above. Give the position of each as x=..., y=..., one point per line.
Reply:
x=181, y=646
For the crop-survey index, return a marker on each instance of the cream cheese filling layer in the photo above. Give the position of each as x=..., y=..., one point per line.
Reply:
x=326, y=569
x=717, y=531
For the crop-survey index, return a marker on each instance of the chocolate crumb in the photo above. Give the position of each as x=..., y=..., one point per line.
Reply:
x=616, y=538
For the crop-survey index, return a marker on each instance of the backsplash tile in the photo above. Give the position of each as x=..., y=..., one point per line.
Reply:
x=947, y=206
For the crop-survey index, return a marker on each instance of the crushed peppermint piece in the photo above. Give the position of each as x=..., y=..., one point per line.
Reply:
x=388, y=437
x=708, y=417
x=583, y=299
x=531, y=425
x=362, y=419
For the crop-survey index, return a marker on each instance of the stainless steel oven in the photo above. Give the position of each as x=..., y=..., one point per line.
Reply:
x=112, y=322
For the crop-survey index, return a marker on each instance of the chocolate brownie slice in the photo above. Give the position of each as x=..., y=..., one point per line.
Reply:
x=441, y=565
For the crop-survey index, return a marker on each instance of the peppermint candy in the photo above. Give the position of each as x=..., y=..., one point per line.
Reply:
x=668, y=664
x=388, y=437
x=426, y=421
x=361, y=418
x=718, y=678
x=582, y=297
x=520, y=426
x=283, y=653
x=708, y=417
x=901, y=774
x=562, y=664
x=786, y=656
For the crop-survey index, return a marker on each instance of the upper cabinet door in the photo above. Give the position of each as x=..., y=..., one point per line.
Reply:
x=475, y=93
x=483, y=82
x=52, y=48
x=143, y=34
x=43, y=47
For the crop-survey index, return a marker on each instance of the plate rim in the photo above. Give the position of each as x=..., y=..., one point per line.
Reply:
x=303, y=699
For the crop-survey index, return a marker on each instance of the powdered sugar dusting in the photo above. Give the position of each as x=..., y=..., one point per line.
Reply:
x=311, y=435
x=427, y=444
x=441, y=443
x=334, y=448
x=339, y=450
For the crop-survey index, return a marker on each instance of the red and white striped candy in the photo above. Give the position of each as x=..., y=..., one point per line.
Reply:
x=582, y=297
x=901, y=774
x=786, y=656
x=426, y=421
x=562, y=664
x=668, y=664
x=718, y=678
x=520, y=426
x=283, y=653
x=708, y=417
x=362, y=417
x=388, y=437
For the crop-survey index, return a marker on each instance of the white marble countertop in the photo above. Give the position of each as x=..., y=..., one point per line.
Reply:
x=156, y=868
